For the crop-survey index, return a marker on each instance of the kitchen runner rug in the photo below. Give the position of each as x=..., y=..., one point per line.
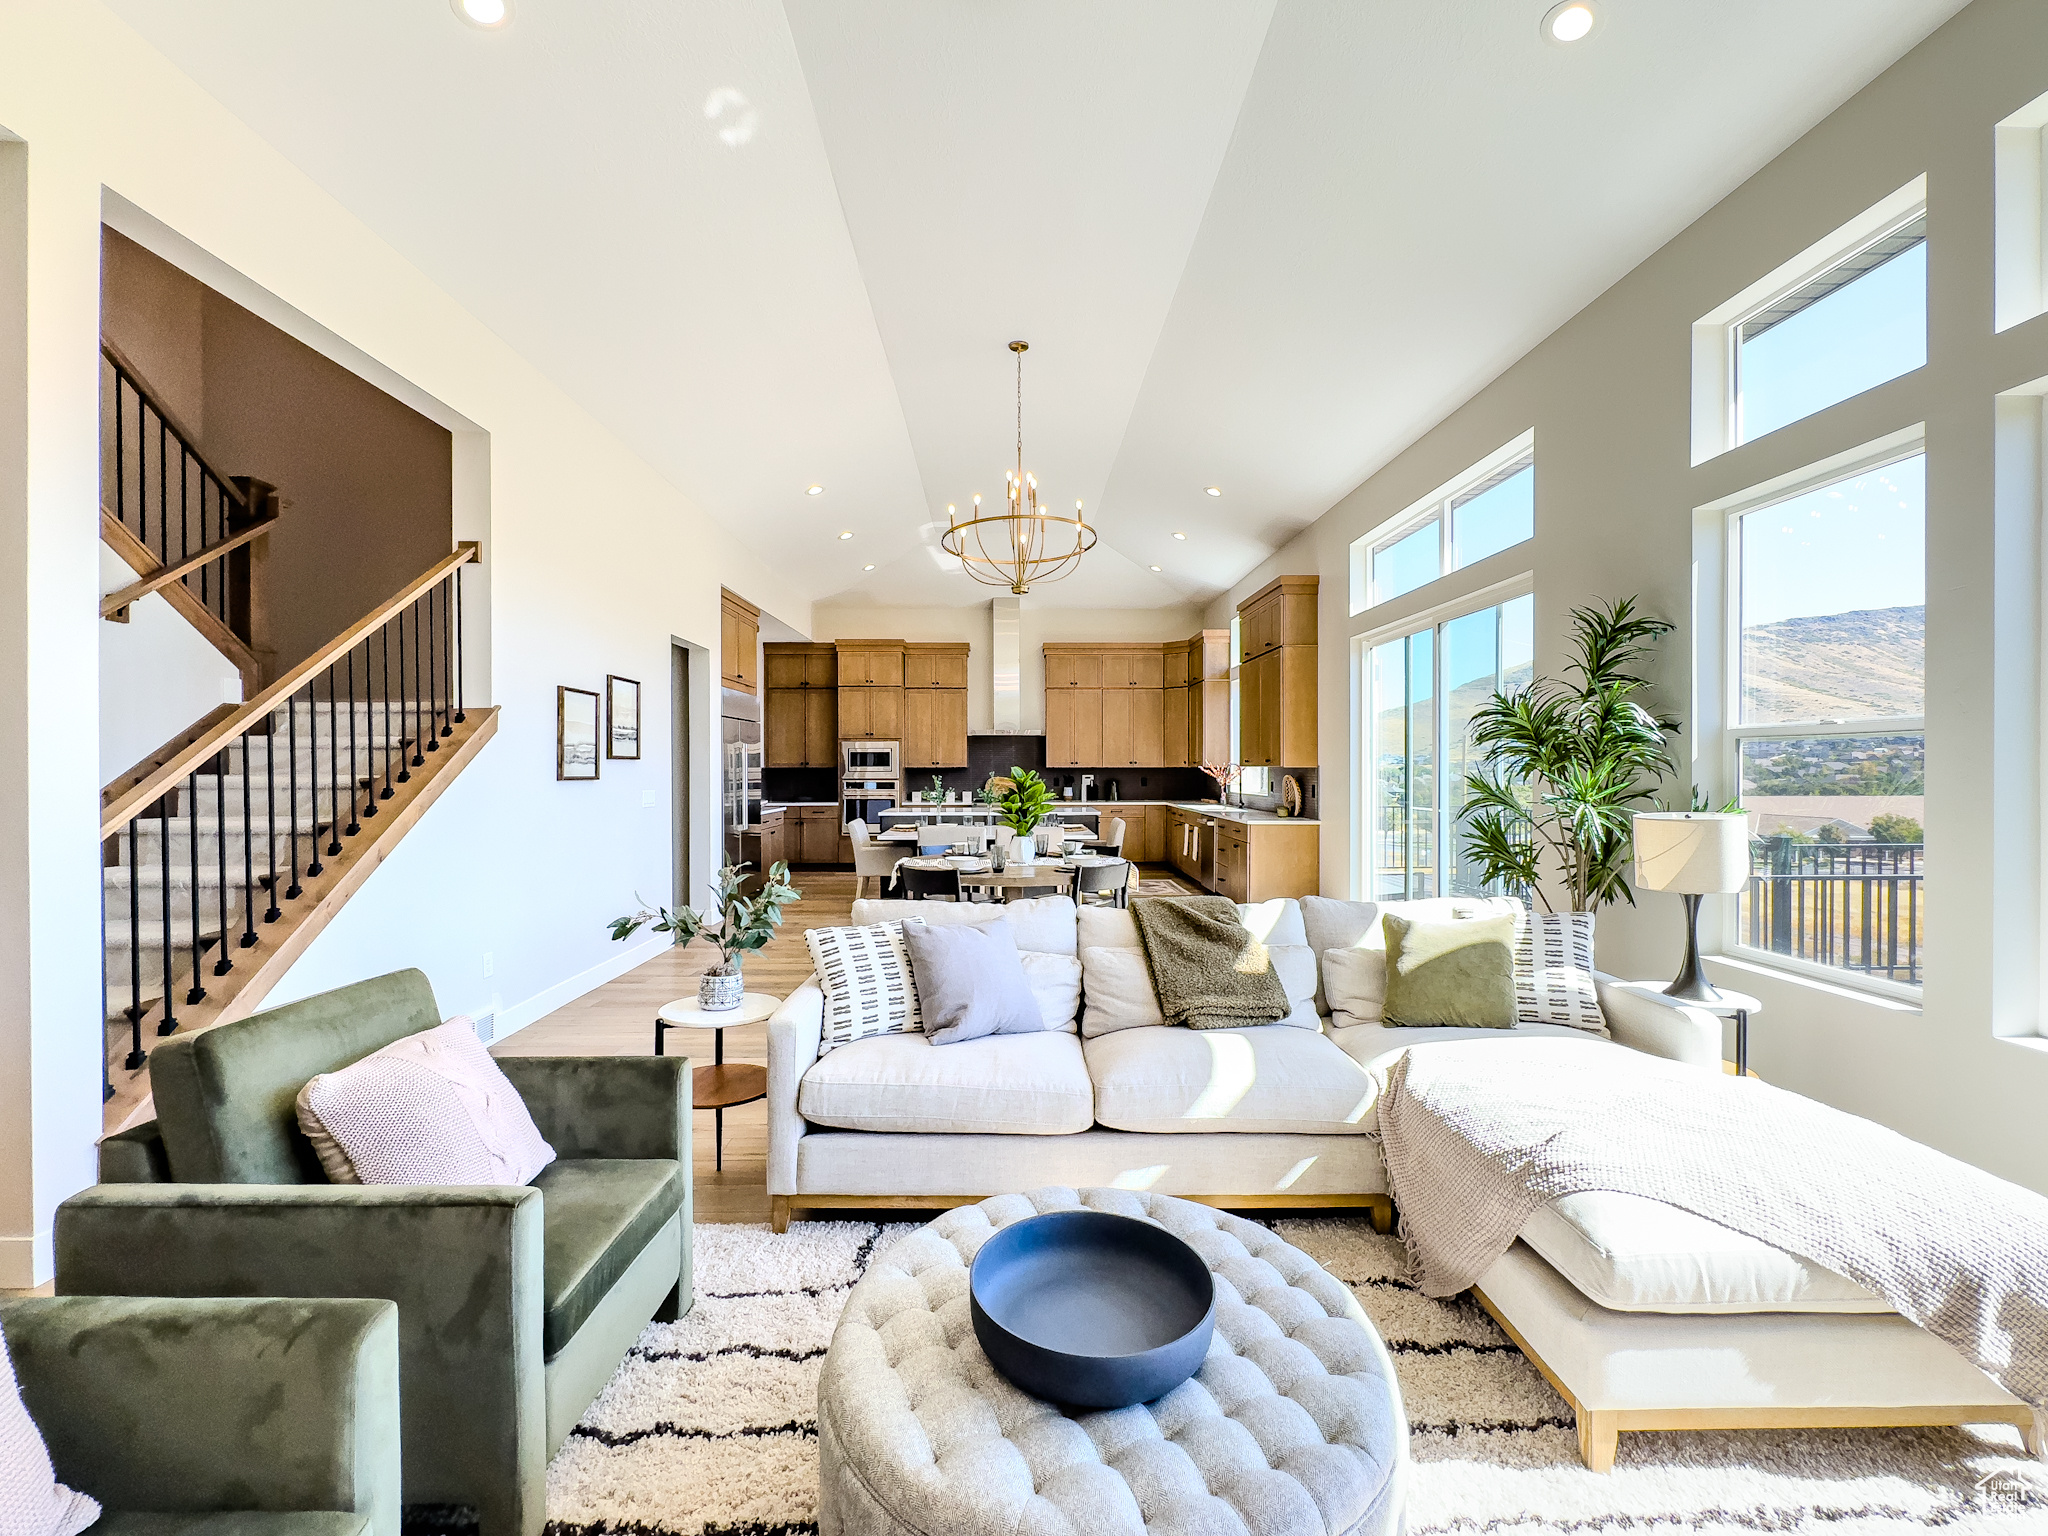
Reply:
x=709, y=1427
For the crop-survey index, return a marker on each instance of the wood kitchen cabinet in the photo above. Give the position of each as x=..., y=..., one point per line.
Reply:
x=1073, y=728
x=1175, y=738
x=1132, y=727
x=870, y=664
x=1138, y=667
x=1232, y=873
x=1283, y=612
x=774, y=838
x=1069, y=668
x=934, y=728
x=800, y=728
x=816, y=834
x=739, y=642
x=1277, y=675
x=928, y=664
x=800, y=666
x=870, y=714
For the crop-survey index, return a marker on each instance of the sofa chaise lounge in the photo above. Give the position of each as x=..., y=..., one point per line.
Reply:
x=1642, y=1315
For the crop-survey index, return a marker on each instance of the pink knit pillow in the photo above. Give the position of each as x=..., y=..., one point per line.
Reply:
x=432, y=1108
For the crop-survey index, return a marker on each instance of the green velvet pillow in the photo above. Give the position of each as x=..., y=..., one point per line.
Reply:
x=1460, y=972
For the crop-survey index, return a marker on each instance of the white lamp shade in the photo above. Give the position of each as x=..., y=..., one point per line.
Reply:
x=1692, y=853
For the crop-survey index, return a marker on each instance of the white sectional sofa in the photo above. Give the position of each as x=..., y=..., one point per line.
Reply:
x=1642, y=1315
x=1282, y=1115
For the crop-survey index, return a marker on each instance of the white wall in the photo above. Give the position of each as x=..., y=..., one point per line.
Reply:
x=1037, y=627
x=1608, y=397
x=592, y=564
x=157, y=675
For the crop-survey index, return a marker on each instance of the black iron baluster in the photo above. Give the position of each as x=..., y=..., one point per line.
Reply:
x=418, y=759
x=169, y=1021
x=355, y=782
x=248, y=850
x=141, y=472
x=120, y=455
x=384, y=638
x=313, y=865
x=184, y=511
x=397, y=621
x=106, y=995
x=433, y=682
x=333, y=773
x=291, y=708
x=274, y=911
x=197, y=992
x=457, y=579
x=163, y=491
x=136, y=1055
x=220, y=820
x=447, y=656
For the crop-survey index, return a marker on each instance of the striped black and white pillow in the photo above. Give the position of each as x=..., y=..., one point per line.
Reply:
x=865, y=976
x=1554, y=971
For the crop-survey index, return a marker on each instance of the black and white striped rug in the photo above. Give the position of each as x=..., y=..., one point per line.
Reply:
x=708, y=1429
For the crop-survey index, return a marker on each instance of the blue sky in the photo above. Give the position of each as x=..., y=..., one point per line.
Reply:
x=1860, y=543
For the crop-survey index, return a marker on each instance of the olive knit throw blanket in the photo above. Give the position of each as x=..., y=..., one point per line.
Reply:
x=1209, y=972
x=1478, y=1134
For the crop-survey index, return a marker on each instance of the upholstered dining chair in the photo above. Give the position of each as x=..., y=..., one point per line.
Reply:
x=1104, y=885
x=1112, y=839
x=871, y=860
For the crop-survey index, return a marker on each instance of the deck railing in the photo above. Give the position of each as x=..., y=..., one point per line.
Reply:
x=1851, y=906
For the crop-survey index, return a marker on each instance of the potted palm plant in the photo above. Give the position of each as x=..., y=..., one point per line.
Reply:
x=1566, y=765
x=742, y=925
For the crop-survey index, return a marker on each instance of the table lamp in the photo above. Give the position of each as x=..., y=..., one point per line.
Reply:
x=1692, y=854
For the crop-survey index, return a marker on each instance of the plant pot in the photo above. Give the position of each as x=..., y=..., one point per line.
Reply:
x=720, y=989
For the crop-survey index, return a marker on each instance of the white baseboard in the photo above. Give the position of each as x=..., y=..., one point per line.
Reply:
x=515, y=1018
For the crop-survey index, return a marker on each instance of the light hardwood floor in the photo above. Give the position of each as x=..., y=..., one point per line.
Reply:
x=618, y=1019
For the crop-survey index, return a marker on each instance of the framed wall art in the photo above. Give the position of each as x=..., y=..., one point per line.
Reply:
x=575, y=733
x=622, y=718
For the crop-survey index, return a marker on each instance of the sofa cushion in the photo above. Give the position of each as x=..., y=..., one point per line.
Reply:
x=1374, y=1047
x=597, y=1214
x=1020, y=1085
x=1631, y=1254
x=1055, y=981
x=1267, y=1077
x=1042, y=923
x=1118, y=988
x=1117, y=984
x=32, y=1501
x=865, y=975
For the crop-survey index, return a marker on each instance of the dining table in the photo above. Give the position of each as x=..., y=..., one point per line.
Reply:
x=981, y=874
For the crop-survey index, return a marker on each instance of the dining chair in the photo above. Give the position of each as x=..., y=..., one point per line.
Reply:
x=1112, y=839
x=1105, y=885
x=871, y=860
x=929, y=884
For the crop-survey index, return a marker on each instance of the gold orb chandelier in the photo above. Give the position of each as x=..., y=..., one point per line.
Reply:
x=1023, y=543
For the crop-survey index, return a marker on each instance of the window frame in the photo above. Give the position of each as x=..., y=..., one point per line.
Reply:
x=1715, y=334
x=1892, y=449
x=1439, y=506
x=1364, y=807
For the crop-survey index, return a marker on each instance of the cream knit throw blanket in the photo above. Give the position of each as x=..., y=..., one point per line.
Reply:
x=1479, y=1133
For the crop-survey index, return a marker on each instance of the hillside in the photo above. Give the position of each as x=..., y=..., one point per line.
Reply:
x=1835, y=666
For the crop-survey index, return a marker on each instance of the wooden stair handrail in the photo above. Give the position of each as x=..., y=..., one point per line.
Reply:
x=185, y=434
x=152, y=788
x=164, y=575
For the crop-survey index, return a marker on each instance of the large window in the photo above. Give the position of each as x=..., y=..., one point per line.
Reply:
x=1421, y=690
x=1489, y=508
x=1828, y=593
x=1859, y=323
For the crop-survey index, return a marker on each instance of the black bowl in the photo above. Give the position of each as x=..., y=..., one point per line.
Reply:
x=1091, y=1309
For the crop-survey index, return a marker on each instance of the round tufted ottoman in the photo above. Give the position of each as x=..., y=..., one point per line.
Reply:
x=1293, y=1426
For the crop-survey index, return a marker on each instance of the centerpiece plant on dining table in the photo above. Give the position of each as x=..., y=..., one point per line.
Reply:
x=742, y=924
x=1023, y=803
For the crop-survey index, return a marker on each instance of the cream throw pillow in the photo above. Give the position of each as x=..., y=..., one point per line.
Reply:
x=32, y=1501
x=1117, y=986
x=432, y=1108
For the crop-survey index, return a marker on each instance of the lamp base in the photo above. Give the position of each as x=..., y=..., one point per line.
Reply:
x=1691, y=984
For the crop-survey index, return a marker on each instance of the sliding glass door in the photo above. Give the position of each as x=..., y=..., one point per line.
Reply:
x=1422, y=689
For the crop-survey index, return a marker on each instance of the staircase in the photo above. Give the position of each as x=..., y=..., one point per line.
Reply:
x=229, y=848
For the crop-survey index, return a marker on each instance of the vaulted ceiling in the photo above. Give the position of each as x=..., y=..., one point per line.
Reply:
x=1255, y=244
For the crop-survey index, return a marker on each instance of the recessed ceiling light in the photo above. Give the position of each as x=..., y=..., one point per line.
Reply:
x=814, y=490
x=846, y=535
x=1213, y=490
x=489, y=14
x=1569, y=22
x=1180, y=535
x=1155, y=567
x=867, y=567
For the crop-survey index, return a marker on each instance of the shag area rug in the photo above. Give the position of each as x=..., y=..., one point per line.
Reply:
x=709, y=1427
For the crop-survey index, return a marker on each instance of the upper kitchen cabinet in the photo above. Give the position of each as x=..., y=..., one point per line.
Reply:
x=739, y=642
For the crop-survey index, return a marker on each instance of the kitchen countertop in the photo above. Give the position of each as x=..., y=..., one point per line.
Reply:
x=791, y=805
x=1195, y=807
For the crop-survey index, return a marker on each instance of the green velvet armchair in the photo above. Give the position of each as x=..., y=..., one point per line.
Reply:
x=216, y=1418
x=514, y=1305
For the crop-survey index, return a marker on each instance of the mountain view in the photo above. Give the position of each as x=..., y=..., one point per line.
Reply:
x=1836, y=666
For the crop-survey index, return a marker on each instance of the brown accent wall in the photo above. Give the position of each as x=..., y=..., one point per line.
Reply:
x=366, y=482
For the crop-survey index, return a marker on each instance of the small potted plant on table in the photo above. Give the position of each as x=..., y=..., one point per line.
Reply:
x=742, y=924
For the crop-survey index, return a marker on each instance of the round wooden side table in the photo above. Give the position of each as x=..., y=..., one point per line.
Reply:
x=719, y=1087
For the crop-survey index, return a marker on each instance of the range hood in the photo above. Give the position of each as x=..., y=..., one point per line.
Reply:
x=1006, y=661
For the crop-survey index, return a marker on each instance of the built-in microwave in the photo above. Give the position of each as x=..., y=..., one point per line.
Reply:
x=871, y=759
